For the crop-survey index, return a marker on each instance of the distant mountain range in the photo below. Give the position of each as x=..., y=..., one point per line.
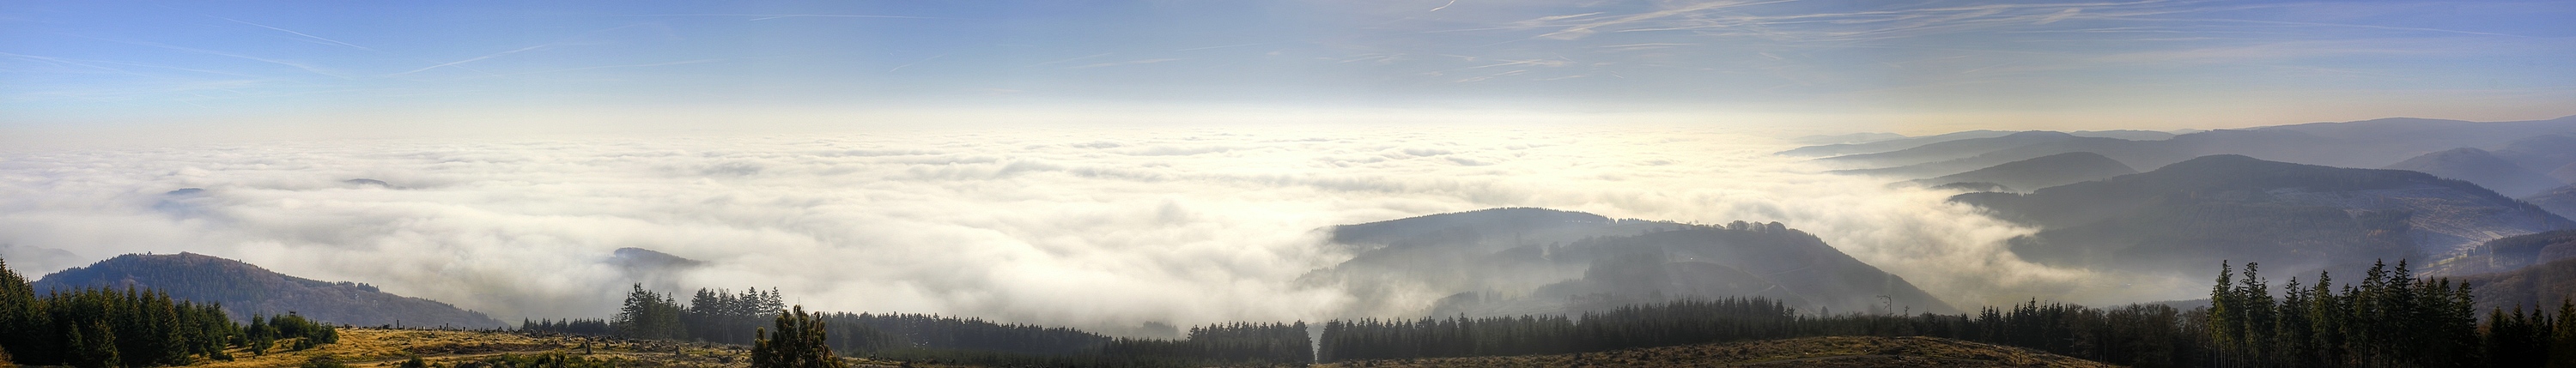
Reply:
x=1950, y=150
x=1514, y=261
x=2189, y=216
x=245, y=289
x=1859, y=143
x=2481, y=167
x=2046, y=171
x=1885, y=145
x=2538, y=146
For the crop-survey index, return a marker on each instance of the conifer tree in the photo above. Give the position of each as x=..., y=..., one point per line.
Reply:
x=94, y=346
x=799, y=343
x=18, y=312
x=2562, y=337
x=2328, y=313
x=650, y=315
x=262, y=335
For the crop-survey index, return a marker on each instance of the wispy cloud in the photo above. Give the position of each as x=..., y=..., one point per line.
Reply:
x=475, y=59
x=687, y=62
x=1222, y=47
x=1129, y=62
x=759, y=17
x=305, y=35
x=55, y=61
x=1445, y=6
x=1092, y=56
x=297, y=65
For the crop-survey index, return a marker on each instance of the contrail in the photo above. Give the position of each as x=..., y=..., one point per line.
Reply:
x=477, y=58
x=298, y=33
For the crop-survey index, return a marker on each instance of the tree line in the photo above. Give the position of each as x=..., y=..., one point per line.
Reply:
x=2390, y=319
x=100, y=327
x=721, y=316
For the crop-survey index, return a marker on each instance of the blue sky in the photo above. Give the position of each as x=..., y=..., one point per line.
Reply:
x=1865, y=65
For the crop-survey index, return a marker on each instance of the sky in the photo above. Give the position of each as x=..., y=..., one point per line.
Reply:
x=265, y=68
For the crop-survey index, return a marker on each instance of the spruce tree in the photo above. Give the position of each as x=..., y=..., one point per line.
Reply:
x=19, y=313
x=2562, y=336
x=799, y=343
x=94, y=346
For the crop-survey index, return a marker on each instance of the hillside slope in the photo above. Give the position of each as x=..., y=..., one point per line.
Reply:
x=2543, y=286
x=245, y=289
x=2561, y=201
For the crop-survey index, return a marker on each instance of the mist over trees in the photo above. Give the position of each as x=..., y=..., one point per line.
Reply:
x=2390, y=319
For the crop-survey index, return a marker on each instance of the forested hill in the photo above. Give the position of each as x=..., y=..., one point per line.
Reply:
x=245, y=289
x=1515, y=261
x=2188, y=216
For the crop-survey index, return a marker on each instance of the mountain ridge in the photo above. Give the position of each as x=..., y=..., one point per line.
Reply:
x=245, y=289
x=2189, y=216
x=2042, y=172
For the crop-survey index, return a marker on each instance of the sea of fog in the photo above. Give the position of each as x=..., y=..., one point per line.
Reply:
x=1099, y=228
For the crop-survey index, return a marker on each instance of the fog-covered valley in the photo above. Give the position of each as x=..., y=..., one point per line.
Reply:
x=1103, y=229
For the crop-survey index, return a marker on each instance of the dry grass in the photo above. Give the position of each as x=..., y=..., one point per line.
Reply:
x=369, y=347
x=1802, y=352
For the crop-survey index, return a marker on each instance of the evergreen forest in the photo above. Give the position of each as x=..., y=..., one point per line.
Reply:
x=99, y=327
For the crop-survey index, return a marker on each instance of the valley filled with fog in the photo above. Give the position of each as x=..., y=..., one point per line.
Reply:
x=1104, y=229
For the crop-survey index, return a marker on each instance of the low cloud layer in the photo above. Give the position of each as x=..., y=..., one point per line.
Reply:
x=1097, y=228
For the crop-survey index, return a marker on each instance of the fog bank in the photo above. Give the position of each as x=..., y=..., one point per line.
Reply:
x=1100, y=228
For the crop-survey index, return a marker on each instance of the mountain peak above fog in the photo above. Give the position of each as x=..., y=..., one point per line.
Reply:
x=2042, y=172
x=244, y=289
x=1512, y=261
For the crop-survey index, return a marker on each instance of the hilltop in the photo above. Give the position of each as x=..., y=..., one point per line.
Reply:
x=246, y=289
x=1515, y=261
